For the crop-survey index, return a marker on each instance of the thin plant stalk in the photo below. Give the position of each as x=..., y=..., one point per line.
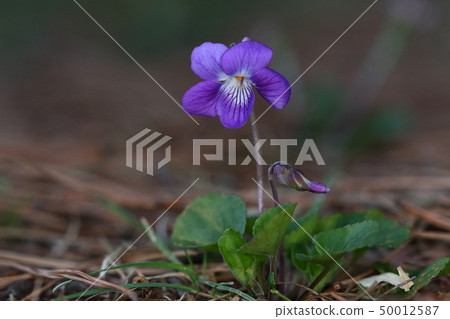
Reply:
x=281, y=249
x=259, y=171
x=274, y=192
x=318, y=279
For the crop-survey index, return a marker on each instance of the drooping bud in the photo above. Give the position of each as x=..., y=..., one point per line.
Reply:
x=285, y=174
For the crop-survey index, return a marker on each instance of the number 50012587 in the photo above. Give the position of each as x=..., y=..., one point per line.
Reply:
x=408, y=310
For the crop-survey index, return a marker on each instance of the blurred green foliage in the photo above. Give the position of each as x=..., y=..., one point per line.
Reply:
x=324, y=107
x=326, y=120
x=153, y=26
x=382, y=126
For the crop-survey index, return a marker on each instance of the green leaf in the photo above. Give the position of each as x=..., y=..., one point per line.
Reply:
x=341, y=233
x=302, y=220
x=348, y=238
x=267, y=216
x=378, y=232
x=390, y=234
x=300, y=234
x=310, y=270
x=438, y=268
x=204, y=221
x=306, y=253
x=309, y=260
x=243, y=266
x=313, y=225
x=269, y=230
x=341, y=220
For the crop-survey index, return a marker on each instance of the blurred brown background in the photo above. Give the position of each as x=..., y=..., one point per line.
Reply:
x=68, y=93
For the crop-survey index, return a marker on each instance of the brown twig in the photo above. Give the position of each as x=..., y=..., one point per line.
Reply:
x=75, y=275
x=301, y=286
x=432, y=235
x=36, y=261
x=431, y=217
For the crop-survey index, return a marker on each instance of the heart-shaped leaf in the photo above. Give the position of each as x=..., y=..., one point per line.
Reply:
x=348, y=238
x=243, y=266
x=204, y=221
x=378, y=232
x=300, y=234
x=269, y=230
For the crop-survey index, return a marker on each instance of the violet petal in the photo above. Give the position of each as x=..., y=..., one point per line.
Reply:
x=315, y=187
x=201, y=98
x=246, y=58
x=235, y=102
x=205, y=61
x=272, y=86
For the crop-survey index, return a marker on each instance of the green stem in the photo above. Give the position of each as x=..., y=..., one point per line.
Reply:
x=322, y=274
x=319, y=278
x=279, y=294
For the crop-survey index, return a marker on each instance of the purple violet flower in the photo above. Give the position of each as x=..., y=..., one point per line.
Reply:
x=229, y=75
x=285, y=174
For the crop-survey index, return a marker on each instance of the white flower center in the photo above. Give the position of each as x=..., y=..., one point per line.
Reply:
x=237, y=89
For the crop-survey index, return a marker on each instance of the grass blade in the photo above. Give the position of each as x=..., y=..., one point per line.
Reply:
x=158, y=242
x=150, y=264
x=122, y=214
x=220, y=286
x=136, y=285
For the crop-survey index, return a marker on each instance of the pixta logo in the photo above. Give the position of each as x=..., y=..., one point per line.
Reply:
x=141, y=148
x=143, y=145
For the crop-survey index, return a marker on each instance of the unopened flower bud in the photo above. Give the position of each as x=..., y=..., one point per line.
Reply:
x=285, y=174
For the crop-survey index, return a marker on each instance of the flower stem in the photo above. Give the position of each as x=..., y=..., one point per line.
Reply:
x=259, y=172
x=281, y=249
x=274, y=192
